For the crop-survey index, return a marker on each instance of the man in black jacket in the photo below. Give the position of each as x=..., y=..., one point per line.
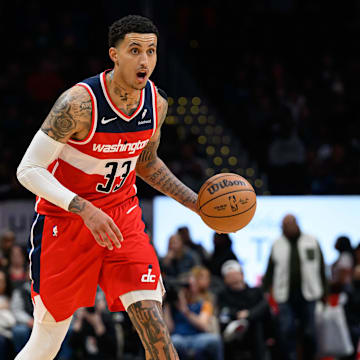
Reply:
x=243, y=311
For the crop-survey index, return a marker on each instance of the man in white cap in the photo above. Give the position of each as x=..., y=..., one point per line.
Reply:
x=243, y=311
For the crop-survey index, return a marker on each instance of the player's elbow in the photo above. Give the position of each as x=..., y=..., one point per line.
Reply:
x=23, y=172
x=20, y=172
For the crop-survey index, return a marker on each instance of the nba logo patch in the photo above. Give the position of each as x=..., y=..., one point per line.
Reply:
x=55, y=230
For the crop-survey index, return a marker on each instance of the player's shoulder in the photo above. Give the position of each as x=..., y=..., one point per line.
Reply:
x=162, y=103
x=162, y=93
x=74, y=95
x=78, y=93
x=76, y=103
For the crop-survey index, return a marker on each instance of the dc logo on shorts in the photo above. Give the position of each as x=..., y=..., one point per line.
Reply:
x=148, y=277
x=55, y=230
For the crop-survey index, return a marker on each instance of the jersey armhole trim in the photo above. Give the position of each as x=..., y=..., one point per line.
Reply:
x=94, y=116
x=154, y=100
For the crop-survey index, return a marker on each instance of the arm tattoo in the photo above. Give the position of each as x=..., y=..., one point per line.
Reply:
x=162, y=179
x=77, y=205
x=147, y=319
x=152, y=170
x=71, y=113
x=149, y=153
x=59, y=122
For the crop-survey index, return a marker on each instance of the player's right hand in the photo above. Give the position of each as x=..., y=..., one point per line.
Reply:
x=103, y=228
x=101, y=225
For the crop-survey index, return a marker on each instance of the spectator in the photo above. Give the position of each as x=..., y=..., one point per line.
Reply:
x=202, y=277
x=352, y=311
x=190, y=320
x=296, y=277
x=207, y=291
x=184, y=232
x=7, y=240
x=7, y=320
x=222, y=252
x=287, y=158
x=17, y=266
x=342, y=269
x=92, y=335
x=179, y=258
x=357, y=255
x=243, y=311
x=22, y=308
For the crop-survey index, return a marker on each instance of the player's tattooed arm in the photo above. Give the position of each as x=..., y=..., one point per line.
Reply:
x=153, y=170
x=77, y=205
x=148, y=321
x=70, y=117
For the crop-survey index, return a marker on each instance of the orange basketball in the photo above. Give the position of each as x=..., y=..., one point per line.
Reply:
x=226, y=202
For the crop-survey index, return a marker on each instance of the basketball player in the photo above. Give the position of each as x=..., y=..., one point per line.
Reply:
x=82, y=166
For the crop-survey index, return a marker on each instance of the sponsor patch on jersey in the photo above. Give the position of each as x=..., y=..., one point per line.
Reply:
x=143, y=122
x=120, y=147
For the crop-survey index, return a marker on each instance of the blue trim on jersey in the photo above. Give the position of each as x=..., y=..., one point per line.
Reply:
x=143, y=121
x=36, y=252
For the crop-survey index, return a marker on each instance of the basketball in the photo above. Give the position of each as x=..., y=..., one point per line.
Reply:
x=226, y=202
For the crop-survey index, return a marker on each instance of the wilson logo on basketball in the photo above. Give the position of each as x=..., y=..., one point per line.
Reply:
x=224, y=184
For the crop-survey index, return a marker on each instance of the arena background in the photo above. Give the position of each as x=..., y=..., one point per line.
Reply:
x=268, y=89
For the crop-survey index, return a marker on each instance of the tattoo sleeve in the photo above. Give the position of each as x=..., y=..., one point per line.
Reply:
x=153, y=171
x=70, y=114
x=148, y=321
x=163, y=180
x=77, y=205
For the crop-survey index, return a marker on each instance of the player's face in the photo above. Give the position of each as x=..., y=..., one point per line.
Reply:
x=136, y=59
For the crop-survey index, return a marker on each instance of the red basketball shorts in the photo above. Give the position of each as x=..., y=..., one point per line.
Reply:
x=67, y=264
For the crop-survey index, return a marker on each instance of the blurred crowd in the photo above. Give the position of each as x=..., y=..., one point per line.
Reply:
x=285, y=83
x=210, y=310
x=292, y=103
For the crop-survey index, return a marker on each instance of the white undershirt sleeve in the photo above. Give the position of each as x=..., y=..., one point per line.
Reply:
x=32, y=172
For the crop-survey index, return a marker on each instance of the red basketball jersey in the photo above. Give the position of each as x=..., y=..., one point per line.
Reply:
x=101, y=167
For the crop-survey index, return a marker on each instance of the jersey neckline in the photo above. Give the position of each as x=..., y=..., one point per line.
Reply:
x=113, y=105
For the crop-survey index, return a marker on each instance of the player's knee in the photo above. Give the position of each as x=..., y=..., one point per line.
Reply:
x=45, y=341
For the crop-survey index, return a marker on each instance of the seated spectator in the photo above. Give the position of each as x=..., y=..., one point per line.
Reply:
x=179, y=258
x=357, y=255
x=190, y=321
x=352, y=311
x=184, y=232
x=92, y=334
x=7, y=320
x=222, y=252
x=202, y=277
x=7, y=240
x=17, y=267
x=22, y=308
x=207, y=291
x=243, y=311
x=342, y=268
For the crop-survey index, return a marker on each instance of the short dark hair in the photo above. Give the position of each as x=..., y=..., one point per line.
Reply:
x=130, y=24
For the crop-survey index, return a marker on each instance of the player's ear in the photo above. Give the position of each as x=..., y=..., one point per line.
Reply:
x=113, y=55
